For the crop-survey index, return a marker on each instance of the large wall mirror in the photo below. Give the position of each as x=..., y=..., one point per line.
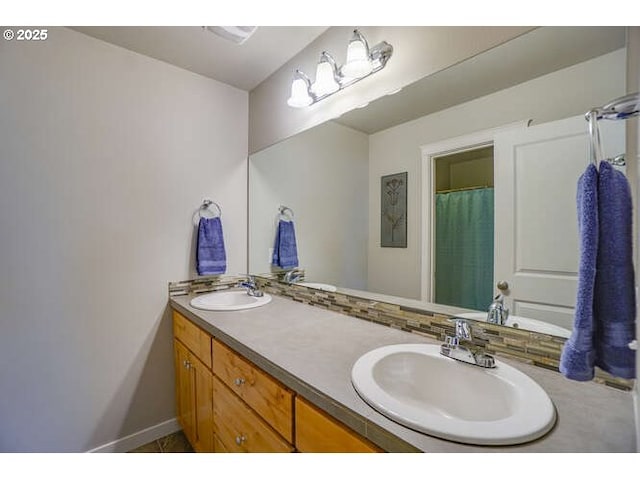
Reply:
x=471, y=170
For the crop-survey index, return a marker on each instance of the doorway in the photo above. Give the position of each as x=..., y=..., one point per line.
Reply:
x=477, y=141
x=536, y=246
x=463, y=228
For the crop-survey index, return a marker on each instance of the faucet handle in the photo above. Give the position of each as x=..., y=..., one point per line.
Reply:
x=451, y=341
x=497, y=312
x=463, y=331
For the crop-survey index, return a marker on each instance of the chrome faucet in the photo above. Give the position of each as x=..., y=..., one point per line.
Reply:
x=293, y=276
x=452, y=347
x=497, y=313
x=252, y=288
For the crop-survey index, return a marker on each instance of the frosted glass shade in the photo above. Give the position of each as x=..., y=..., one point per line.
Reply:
x=358, y=63
x=325, y=83
x=299, y=94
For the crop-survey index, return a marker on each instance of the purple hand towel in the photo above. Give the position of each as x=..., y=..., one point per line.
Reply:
x=615, y=302
x=285, y=250
x=211, y=258
x=578, y=355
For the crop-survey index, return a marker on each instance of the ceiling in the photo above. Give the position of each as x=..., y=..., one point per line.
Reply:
x=536, y=53
x=198, y=50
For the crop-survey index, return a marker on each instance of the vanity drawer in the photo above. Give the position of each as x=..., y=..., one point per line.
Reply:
x=317, y=432
x=239, y=429
x=268, y=397
x=195, y=339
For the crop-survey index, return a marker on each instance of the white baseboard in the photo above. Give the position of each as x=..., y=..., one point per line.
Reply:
x=135, y=440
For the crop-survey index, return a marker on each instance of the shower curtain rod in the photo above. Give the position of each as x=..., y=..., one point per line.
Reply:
x=477, y=187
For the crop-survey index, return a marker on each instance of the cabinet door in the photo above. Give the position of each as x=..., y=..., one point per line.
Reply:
x=184, y=391
x=202, y=379
x=317, y=432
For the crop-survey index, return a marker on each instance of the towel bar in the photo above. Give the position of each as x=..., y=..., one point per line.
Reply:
x=621, y=108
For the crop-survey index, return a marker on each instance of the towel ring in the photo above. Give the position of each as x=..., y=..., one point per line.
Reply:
x=285, y=212
x=206, y=203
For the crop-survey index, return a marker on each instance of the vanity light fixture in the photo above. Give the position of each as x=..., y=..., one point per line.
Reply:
x=361, y=62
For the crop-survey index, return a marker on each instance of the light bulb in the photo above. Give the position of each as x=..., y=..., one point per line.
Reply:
x=325, y=83
x=299, y=94
x=358, y=63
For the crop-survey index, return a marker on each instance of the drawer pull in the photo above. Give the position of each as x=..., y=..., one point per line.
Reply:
x=240, y=439
x=239, y=381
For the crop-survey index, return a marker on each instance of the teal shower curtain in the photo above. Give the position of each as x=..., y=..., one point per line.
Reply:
x=464, y=248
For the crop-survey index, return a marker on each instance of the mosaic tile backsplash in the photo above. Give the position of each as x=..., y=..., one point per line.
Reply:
x=203, y=285
x=530, y=347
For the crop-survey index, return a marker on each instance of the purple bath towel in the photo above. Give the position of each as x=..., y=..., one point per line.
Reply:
x=211, y=258
x=615, y=301
x=285, y=250
x=578, y=355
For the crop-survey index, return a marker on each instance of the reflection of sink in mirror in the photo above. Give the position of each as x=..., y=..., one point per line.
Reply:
x=416, y=386
x=319, y=286
x=229, y=300
x=523, y=323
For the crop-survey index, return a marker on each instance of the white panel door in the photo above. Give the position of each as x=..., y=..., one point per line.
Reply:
x=536, y=229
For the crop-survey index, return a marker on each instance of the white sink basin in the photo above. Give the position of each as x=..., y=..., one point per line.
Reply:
x=416, y=386
x=229, y=300
x=523, y=323
x=320, y=286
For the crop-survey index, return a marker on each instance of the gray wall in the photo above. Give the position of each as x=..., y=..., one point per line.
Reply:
x=104, y=156
x=418, y=52
x=322, y=175
x=565, y=92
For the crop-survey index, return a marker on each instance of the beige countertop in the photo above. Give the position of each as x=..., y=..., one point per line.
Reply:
x=312, y=351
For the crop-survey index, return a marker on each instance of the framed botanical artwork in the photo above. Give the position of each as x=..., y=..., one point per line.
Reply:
x=393, y=211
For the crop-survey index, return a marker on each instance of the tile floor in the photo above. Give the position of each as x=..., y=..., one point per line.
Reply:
x=174, y=443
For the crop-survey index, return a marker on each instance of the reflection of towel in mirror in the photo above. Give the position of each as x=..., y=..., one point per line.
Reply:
x=578, y=355
x=285, y=250
x=211, y=258
x=615, y=303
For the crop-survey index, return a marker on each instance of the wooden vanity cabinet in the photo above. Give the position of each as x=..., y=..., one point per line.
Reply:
x=225, y=403
x=194, y=385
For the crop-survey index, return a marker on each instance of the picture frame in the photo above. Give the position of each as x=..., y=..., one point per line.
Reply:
x=393, y=210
